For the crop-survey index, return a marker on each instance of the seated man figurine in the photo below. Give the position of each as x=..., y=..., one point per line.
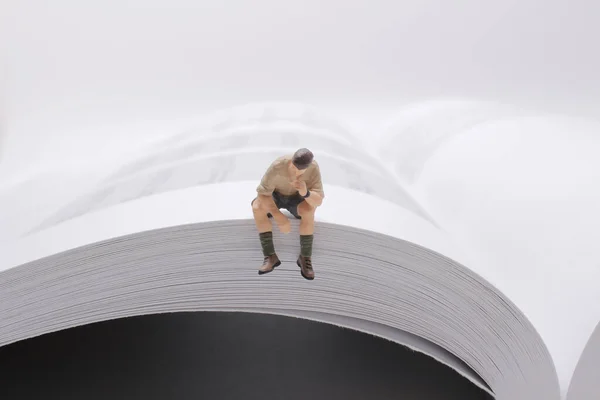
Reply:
x=292, y=182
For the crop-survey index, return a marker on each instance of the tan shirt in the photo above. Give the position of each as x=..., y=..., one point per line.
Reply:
x=277, y=178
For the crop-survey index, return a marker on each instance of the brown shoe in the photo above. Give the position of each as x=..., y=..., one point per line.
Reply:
x=269, y=264
x=306, y=269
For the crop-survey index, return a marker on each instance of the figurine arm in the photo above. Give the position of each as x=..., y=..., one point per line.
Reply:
x=315, y=186
x=315, y=199
x=265, y=194
x=266, y=187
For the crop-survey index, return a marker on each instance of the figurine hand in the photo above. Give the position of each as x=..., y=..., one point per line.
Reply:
x=300, y=186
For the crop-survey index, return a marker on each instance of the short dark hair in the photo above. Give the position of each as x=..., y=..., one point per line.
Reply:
x=302, y=158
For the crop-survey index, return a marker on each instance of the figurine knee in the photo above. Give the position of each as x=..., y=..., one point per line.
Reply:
x=259, y=205
x=305, y=210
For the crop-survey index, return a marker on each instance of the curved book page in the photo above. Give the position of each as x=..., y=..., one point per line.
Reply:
x=517, y=194
x=386, y=270
x=585, y=384
x=446, y=246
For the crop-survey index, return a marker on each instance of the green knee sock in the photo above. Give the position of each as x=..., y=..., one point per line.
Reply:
x=306, y=242
x=266, y=241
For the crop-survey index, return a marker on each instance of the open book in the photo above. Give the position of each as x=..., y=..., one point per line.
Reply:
x=461, y=229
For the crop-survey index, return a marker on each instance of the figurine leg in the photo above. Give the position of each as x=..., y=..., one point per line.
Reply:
x=307, y=226
x=307, y=223
x=261, y=220
x=265, y=233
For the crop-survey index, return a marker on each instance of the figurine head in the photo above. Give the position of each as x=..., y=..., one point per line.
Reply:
x=301, y=160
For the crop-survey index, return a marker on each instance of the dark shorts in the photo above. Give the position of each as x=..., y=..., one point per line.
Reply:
x=289, y=203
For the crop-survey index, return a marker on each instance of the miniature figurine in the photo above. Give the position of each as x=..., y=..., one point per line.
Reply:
x=292, y=182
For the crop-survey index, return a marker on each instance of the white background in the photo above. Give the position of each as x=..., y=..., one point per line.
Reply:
x=79, y=76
